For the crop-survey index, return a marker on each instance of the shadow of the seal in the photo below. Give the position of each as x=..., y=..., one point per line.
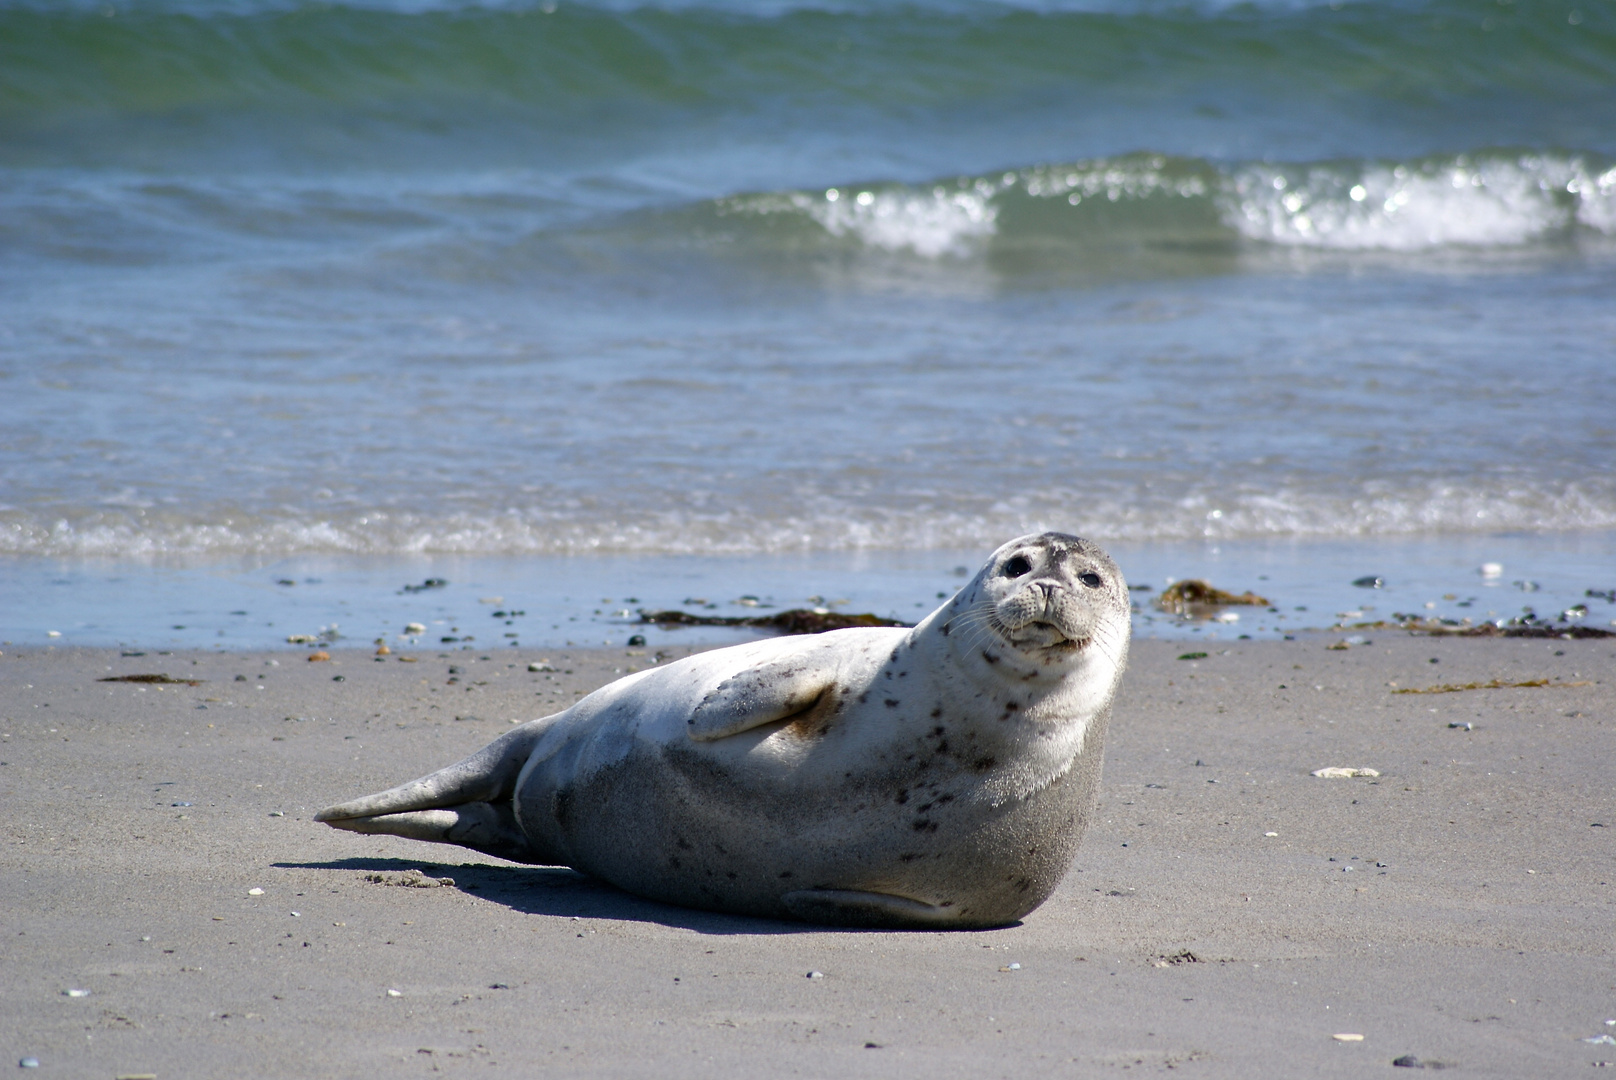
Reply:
x=564, y=893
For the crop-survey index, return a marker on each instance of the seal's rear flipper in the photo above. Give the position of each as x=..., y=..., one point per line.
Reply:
x=850, y=907
x=486, y=827
x=488, y=776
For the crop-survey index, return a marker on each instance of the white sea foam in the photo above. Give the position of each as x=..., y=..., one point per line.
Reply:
x=941, y=221
x=1470, y=202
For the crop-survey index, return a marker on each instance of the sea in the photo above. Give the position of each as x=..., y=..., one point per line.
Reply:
x=510, y=319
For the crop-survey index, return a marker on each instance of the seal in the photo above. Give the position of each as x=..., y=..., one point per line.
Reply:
x=935, y=777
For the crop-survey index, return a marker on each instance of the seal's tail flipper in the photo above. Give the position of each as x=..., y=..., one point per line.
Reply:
x=422, y=809
x=487, y=827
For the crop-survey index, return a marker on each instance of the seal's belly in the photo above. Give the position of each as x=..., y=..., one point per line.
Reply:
x=678, y=824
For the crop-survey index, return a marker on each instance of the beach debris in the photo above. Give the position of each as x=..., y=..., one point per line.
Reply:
x=1371, y=581
x=316, y=657
x=137, y=1076
x=1526, y=586
x=394, y=993
x=429, y=583
x=28, y=1063
x=1226, y=617
x=1462, y=725
x=795, y=621
x=54, y=633
x=277, y=813
x=1338, y=646
x=1347, y=1036
x=163, y=680
x=1490, y=570
x=1184, y=956
x=1011, y=967
x=1490, y=684
x=75, y=993
x=1339, y=772
x=1192, y=656
x=255, y=891
x=410, y=879
x=301, y=639
x=816, y=975
x=494, y=600
x=1194, y=596
x=383, y=650
x=1409, y=1061
x=415, y=628
x=636, y=640
x=1270, y=834
x=540, y=665
x=1597, y=1040
x=1601, y=594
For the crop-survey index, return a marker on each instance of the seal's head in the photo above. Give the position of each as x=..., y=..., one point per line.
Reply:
x=1049, y=598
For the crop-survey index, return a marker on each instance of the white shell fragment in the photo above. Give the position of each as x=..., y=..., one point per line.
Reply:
x=1347, y=1036
x=1336, y=772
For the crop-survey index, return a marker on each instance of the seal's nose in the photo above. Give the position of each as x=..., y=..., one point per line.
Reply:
x=1049, y=589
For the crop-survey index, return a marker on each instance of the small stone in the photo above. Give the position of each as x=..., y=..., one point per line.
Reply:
x=816, y=974
x=539, y=665
x=1336, y=772
x=277, y=813
x=28, y=1063
x=1491, y=570
x=415, y=628
x=75, y=993
x=255, y=891
x=53, y=633
x=1270, y=834
x=316, y=657
x=1463, y=725
x=394, y=993
x=1347, y=1036
x=636, y=639
x=1408, y=1061
x=383, y=650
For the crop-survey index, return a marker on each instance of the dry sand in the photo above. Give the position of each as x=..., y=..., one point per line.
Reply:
x=1460, y=908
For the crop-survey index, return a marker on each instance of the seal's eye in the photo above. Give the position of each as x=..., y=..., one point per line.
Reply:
x=1091, y=579
x=1016, y=567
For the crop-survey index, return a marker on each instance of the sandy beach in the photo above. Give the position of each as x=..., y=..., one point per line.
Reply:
x=1229, y=915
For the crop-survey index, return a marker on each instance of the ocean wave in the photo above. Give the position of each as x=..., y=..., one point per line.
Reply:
x=824, y=524
x=1483, y=200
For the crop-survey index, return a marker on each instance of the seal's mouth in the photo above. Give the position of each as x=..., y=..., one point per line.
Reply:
x=1048, y=639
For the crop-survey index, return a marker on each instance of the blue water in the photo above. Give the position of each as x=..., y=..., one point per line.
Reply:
x=837, y=293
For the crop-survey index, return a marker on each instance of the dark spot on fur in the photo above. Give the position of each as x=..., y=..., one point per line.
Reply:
x=943, y=629
x=684, y=845
x=864, y=697
x=938, y=711
x=936, y=731
x=1012, y=705
x=732, y=875
x=894, y=657
x=989, y=657
x=942, y=746
x=984, y=764
x=941, y=799
x=673, y=861
x=563, y=806
x=1022, y=884
x=922, y=825
x=902, y=796
x=909, y=856
x=923, y=808
x=888, y=674
x=893, y=703
x=786, y=874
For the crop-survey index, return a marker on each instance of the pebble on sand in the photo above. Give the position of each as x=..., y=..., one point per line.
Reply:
x=28, y=1063
x=317, y=656
x=1347, y=1036
x=414, y=628
x=75, y=993
x=255, y=891
x=1337, y=772
x=816, y=975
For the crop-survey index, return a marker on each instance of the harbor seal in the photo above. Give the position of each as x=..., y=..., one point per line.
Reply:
x=935, y=777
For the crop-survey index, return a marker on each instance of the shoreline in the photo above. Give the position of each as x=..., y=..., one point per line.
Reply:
x=582, y=601
x=1456, y=908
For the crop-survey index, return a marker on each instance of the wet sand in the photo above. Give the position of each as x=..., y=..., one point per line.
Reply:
x=1459, y=908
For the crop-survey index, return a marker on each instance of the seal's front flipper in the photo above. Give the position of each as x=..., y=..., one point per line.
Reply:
x=488, y=776
x=487, y=827
x=763, y=695
x=870, y=910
